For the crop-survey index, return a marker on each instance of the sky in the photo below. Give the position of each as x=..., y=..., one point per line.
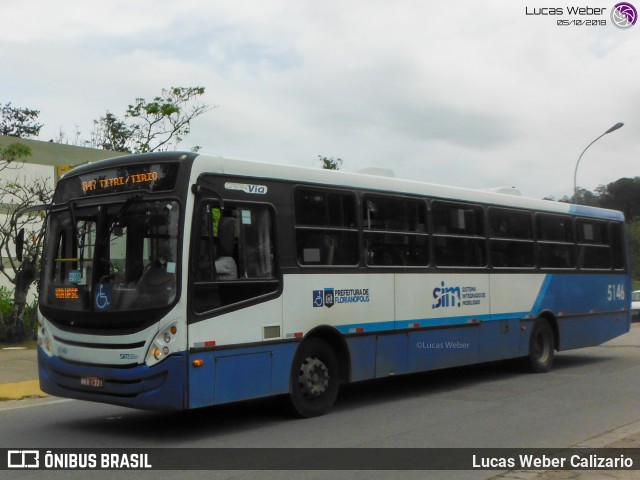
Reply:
x=466, y=93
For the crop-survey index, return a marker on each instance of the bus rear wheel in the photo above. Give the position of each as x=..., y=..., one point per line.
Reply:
x=314, y=379
x=541, y=347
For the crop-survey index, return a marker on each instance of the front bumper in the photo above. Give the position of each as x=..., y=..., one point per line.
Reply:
x=161, y=387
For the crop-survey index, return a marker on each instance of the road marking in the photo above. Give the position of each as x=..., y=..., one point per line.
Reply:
x=31, y=402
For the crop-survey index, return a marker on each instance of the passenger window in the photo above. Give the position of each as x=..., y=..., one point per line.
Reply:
x=617, y=246
x=326, y=228
x=594, y=252
x=511, y=244
x=556, y=249
x=395, y=231
x=458, y=235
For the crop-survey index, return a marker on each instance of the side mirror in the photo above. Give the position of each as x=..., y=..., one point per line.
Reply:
x=20, y=235
x=20, y=244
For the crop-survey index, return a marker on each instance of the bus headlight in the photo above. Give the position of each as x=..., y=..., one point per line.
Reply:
x=44, y=339
x=161, y=346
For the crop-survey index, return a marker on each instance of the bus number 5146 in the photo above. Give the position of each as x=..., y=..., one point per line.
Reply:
x=615, y=292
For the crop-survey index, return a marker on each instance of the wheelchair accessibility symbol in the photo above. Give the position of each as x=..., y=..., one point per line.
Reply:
x=323, y=298
x=104, y=294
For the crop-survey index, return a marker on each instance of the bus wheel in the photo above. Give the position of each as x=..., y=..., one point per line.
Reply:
x=314, y=379
x=541, y=347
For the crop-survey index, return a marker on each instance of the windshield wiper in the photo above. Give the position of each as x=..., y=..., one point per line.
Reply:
x=74, y=224
x=125, y=207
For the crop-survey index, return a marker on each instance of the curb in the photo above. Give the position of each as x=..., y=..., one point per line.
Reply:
x=627, y=436
x=20, y=390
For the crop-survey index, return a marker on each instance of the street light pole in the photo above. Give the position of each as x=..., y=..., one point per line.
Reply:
x=575, y=173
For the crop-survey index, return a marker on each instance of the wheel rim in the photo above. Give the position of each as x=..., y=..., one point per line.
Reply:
x=313, y=377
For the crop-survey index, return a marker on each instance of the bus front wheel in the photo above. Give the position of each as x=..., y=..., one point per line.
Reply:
x=314, y=378
x=541, y=347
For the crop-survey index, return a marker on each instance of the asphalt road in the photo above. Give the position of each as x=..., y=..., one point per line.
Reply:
x=589, y=392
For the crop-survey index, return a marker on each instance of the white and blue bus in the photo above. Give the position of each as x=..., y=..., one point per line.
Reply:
x=178, y=281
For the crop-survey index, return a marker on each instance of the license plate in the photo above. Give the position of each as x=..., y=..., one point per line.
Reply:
x=93, y=382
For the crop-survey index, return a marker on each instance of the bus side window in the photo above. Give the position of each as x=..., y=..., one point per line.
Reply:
x=326, y=227
x=233, y=256
x=215, y=251
x=226, y=267
x=556, y=247
x=511, y=243
x=617, y=246
x=459, y=238
x=395, y=232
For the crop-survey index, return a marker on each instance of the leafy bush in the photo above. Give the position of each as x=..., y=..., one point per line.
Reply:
x=30, y=316
x=6, y=306
x=31, y=320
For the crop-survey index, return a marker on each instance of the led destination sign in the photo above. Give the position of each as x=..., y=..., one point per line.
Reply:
x=110, y=183
x=159, y=177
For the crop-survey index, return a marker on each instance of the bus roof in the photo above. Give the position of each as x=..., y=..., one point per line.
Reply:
x=342, y=179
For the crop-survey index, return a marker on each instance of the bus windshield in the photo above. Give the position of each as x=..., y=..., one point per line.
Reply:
x=111, y=257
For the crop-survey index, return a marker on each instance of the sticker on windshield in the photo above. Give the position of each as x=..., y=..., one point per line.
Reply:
x=104, y=295
x=75, y=276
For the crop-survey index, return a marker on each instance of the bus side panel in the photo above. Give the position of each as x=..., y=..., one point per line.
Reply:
x=351, y=303
x=391, y=355
x=596, y=308
x=362, y=351
x=201, y=379
x=441, y=299
x=499, y=339
x=577, y=332
x=513, y=298
x=234, y=374
x=238, y=377
x=443, y=348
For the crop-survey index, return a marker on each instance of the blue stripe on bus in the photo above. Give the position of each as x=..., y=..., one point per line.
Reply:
x=586, y=211
x=426, y=322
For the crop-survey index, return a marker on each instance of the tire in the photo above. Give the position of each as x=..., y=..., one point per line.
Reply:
x=541, y=347
x=315, y=379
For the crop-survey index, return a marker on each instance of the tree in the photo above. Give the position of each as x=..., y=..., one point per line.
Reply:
x=634, y=243
x=330, y=163
x=21, y=274
x=19, y=122
x=13, y=155
x=623, y=195
x=151, y=126
x=582, y=197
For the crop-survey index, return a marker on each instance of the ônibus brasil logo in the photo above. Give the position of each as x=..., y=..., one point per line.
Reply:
x=624, y=15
